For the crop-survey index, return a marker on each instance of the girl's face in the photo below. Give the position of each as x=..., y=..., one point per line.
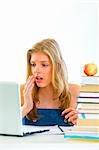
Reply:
x=41, y=68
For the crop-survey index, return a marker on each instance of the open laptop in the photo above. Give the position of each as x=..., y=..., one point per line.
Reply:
x=10, y=112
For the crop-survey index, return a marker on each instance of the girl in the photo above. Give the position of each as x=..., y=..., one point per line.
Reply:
x=48, y=98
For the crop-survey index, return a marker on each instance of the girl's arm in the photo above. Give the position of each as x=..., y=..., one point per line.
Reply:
x=26, y=96
x=71, y=112
x=26, y=109
x=75, y=91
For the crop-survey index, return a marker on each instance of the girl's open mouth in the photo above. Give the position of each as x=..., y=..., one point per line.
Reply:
x=39, y=79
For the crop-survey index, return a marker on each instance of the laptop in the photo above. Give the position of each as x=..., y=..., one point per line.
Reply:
x=10, y=112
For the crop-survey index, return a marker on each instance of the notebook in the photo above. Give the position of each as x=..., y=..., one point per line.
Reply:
x=10, y=112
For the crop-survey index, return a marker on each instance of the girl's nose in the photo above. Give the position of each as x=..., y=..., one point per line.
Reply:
x=37, y=69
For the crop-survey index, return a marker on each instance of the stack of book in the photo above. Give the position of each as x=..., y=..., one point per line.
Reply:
x=88, y=101
x=82, y=133
x=89, y=93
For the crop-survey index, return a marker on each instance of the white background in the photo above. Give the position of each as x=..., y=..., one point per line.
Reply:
x=74, y=24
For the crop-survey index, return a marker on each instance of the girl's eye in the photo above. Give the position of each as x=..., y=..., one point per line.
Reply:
x=45, y=65
x=33, y=65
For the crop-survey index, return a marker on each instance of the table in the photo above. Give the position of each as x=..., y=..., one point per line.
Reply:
x=43, y=142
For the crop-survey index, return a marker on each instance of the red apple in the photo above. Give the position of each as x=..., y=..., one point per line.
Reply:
x=90, y=69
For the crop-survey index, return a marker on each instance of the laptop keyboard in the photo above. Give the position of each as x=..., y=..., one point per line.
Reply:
x=29, y=129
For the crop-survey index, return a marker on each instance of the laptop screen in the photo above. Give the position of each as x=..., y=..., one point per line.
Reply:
x=10, y=114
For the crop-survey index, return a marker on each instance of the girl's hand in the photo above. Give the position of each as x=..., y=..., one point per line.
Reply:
x=27, y=93
x=70, y=114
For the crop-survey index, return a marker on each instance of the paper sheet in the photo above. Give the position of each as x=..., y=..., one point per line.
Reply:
x=53, y=130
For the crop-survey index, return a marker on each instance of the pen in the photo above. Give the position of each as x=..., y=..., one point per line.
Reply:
x=60, y=129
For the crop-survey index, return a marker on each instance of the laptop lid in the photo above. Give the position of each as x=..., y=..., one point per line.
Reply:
x=10, y=114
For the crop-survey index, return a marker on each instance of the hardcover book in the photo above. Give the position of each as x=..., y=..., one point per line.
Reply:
x=89, y=80
x=88, y=100
x=89, y=94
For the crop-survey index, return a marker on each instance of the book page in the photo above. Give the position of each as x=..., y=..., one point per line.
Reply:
x=53, y=130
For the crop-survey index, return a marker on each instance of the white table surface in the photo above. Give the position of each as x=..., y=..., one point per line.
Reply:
x=44, y=142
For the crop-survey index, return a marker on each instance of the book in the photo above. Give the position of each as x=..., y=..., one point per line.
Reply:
x=80, y=128
x=87, y=106
x=88, y=111
x=87, y=122
x=89, y=88
x=87, y=100
x=88, y=115
x=82, y=132
x=82, y=135
x=89, y=80
x=88, y=94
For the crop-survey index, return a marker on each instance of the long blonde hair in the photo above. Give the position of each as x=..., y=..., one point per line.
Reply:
x=59, y=73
